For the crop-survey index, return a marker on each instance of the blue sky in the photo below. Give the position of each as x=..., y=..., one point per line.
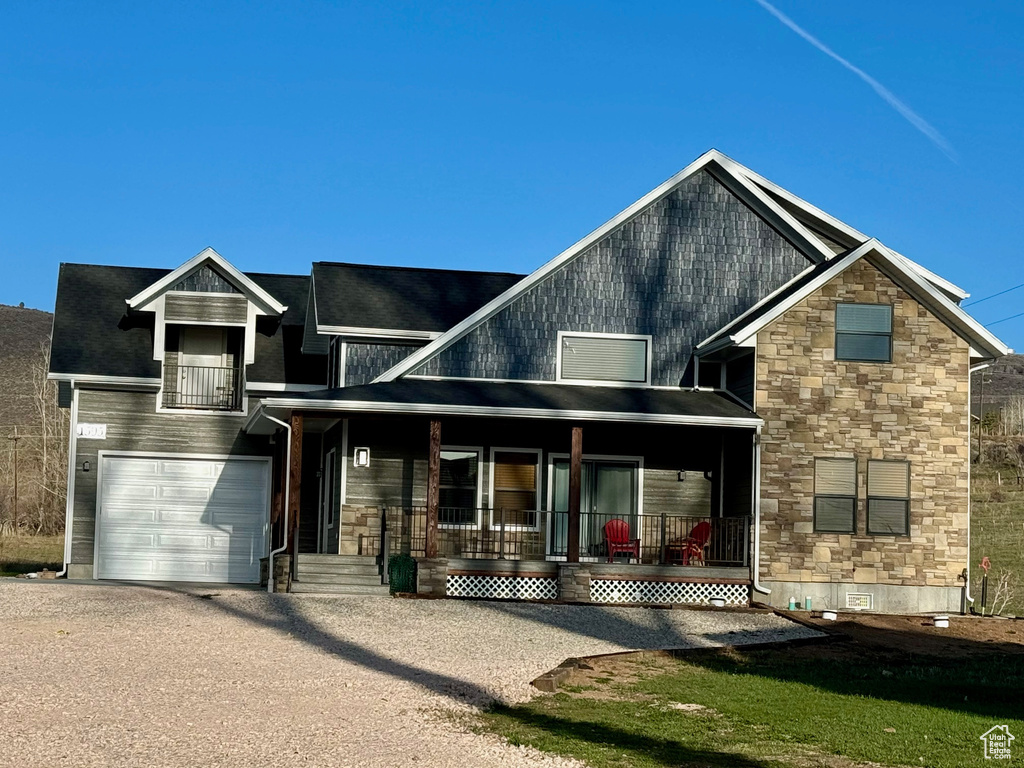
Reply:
x=492, y=135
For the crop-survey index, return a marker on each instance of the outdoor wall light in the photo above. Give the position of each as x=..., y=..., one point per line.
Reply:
x=361, y=457
x=86, y=466
x=682, y=475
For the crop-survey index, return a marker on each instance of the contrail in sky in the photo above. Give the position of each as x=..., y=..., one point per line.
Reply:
x=911, y=116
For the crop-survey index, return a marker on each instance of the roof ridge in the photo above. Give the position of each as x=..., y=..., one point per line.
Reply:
x=416, y=269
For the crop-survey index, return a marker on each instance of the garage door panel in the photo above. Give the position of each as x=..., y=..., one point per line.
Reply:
x=182, y=519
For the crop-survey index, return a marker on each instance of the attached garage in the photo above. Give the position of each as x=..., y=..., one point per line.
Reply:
x=174, y=518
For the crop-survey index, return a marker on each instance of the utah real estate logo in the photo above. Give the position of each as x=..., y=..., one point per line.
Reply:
x=997, y=742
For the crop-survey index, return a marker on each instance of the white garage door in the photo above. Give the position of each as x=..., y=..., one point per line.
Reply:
x=166, y=518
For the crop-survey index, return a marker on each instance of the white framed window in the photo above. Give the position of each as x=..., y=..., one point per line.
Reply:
x=604, y=358
x=515, y=484
x=889, y=498
x=460, y=487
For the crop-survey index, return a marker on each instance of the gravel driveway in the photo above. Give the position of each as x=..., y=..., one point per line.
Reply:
x=104, y=675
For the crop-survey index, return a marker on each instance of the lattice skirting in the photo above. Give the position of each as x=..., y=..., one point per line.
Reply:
x=503, y=587
x=624, y=591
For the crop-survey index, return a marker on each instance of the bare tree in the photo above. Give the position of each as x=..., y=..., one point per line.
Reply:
x=1011, y=416
x=50, y=448
x=1005, y=591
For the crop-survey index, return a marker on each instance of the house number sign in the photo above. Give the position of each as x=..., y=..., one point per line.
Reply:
x=92, y=431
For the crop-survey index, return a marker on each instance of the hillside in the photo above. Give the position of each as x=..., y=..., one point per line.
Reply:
x=1003, y=379
x=23, y=335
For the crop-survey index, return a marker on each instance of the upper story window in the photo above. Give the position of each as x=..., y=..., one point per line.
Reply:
x=604, y=358
x=203, y=368
x=864, y=332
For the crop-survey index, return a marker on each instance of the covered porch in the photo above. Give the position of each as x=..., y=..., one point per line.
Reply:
x=638, y=496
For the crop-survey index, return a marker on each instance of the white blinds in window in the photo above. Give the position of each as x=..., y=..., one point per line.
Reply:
x=603, y=358
x=890, y=479
x=835, y=477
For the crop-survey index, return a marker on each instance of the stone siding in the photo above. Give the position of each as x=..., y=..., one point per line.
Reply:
x=914, y=408
x=360, y=530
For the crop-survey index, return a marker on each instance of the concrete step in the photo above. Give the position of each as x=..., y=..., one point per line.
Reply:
x=369, y=580
x=338, y=569
x=337, y=559
x=338, y=589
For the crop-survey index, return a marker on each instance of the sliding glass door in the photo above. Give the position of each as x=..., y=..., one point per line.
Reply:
x=608, y=490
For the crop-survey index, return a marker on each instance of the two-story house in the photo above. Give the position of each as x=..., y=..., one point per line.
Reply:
x=722, y=392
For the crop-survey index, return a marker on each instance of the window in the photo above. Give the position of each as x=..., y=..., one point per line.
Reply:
x=835, y=495
x=596, y=357
x=459, y=486
x=864, y=332
x=889, y=498
x=515, y=486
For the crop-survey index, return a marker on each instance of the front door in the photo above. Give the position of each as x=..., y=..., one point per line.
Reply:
x=608, y=490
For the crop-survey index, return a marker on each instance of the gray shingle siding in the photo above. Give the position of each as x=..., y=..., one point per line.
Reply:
x=679, y=271
x=365, y=362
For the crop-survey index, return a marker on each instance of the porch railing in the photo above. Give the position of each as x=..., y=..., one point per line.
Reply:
x=204, y=388
x=662, y=539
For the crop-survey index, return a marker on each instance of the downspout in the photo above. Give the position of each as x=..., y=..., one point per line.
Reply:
x=758, y=587
x=287, y=483
x=69, y=502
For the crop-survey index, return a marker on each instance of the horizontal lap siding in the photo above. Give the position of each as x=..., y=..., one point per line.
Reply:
x=133, y=425
x=205, y=308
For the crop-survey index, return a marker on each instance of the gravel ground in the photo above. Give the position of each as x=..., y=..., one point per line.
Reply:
x=99, y=675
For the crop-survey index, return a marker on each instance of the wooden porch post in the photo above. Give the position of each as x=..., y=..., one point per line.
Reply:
x=575, y=481
x=295, y=486
x=433, y=487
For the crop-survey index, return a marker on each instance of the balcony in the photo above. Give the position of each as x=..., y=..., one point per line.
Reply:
x=203, y=388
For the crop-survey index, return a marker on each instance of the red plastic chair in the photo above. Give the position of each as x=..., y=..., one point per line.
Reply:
x=695, y=544
x=616, y=538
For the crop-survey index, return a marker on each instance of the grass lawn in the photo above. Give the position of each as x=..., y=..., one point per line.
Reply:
x=997, y=529
x=25, y=554
x=795, y=707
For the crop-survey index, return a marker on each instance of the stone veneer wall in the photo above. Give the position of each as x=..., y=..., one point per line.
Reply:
x=360, y=530
x=914, y=408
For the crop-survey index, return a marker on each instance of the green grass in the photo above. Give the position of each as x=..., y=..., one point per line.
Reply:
x=775, y=708
x=25, y=554
x=997, y=528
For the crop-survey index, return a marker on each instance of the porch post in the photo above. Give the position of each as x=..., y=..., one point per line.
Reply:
x=295, y=486
x=433, y=487
x=575, y=480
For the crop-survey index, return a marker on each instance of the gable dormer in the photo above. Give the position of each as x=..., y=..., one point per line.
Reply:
x=204, y=331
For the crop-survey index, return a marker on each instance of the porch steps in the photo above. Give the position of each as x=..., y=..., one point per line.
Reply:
x=338, y=575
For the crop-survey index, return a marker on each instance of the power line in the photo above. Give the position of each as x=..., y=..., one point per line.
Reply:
x=1011, y=317
x=978, y=301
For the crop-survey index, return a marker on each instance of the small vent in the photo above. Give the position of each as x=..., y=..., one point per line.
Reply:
x=859, y=601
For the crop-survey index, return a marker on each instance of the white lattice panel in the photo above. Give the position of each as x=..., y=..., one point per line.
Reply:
x=623, y=591
x=503, y=587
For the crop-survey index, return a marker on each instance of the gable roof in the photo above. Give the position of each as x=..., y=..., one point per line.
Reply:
x=743, y=328
x=757, y=192
x=398, y=302
x=256, y=294
x=94, y=335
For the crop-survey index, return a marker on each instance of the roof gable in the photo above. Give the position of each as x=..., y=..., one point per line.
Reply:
x=207, y=271
x=896, y=267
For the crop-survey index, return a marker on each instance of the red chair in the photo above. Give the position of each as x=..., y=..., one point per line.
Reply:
x=695, y=544
x=616, y=539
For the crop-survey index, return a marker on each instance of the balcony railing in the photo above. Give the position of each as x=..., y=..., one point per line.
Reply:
x=663, y=539
x=203, y=388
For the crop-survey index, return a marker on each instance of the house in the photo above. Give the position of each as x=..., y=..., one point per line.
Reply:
x=722, y=392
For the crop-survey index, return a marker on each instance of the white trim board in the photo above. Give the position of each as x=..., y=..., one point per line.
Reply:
x=449, y=409
x=266, y=303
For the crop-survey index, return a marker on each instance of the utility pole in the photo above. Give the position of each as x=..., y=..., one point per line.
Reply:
x=15, y=437
x=981, y=414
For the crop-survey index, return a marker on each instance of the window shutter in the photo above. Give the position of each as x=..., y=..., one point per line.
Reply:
x=602, y=358
x=889, y=479
x=864, y=318
x=835, y=477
